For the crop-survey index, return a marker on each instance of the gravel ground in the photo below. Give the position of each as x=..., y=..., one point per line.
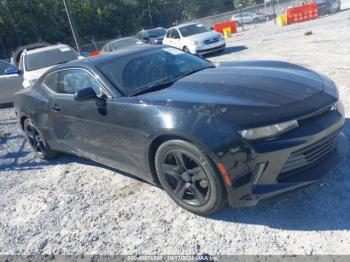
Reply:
x=74, y=206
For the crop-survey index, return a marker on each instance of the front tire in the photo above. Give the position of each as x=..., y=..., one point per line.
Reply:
x=189, y=177
x=37, y=141
x=185, y=49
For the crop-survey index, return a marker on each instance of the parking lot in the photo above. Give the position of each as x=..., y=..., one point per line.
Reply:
x=75, y=206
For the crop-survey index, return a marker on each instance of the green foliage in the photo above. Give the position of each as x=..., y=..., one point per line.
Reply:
x=27, y=21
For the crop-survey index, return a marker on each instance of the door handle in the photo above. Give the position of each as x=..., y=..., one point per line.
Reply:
x=56, y=108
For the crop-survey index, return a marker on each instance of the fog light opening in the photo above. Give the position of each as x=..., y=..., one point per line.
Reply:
x=259, y=169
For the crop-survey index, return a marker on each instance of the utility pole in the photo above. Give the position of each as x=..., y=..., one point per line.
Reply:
x=149, y=13
x=71, y=24
x=274, y=10
x=241, y=15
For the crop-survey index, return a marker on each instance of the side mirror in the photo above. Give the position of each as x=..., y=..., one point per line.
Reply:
x=12, y=71
x=85, y=94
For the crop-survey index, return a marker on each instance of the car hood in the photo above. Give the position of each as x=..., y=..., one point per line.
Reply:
x=266, y=91
x=203, y=36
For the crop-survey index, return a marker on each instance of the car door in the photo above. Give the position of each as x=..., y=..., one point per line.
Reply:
x=95, y=130
x=10, y=82
x=70, y=118
x=176, y=38
x=168, y=38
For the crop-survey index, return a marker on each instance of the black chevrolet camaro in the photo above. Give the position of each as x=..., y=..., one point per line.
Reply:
x=237, y=132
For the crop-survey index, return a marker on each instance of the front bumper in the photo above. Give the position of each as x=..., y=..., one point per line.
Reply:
x=298, y=159
x=207, y=49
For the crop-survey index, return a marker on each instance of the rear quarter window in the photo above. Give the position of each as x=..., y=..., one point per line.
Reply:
x=51, y=81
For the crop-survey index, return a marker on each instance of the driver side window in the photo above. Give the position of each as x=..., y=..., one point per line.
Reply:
x=70, y=81
x=175, y=34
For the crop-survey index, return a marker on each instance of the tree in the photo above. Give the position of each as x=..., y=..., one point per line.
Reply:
x=24, y=22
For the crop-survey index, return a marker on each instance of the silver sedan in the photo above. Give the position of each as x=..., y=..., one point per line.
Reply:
x=10, y=82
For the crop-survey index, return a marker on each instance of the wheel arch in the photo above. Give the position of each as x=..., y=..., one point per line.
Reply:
x=162, y=138
x=21, y=121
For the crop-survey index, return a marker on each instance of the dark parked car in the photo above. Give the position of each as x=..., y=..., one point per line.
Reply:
x=120, y=44
x=325, y=7
x=152, y=36
x=240, y=131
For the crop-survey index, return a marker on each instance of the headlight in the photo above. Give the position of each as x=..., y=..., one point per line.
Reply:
x=28, y=83
x=268, y=131
x=340, y=107
x=329, y=86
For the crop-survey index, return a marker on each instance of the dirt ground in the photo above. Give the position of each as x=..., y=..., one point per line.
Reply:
x=74, y=206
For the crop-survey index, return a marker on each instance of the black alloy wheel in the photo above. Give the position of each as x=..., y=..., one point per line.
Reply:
x=186, y=178
x=37, y=141
x=189, y=177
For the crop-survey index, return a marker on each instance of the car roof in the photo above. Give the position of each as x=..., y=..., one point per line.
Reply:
x=43, y=49
x=103, y=59
x=154, y=29
x=124, y=38
x=186, y=24
x=150, y=29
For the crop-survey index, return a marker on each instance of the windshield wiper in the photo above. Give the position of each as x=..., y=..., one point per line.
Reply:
x=155, y=87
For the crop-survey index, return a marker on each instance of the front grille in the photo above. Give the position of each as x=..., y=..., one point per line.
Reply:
x=211, y=49
x=308, y=156
x=211, y=41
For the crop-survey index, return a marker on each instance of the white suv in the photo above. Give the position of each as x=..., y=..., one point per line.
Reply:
x=194, y=38
x=34, y=63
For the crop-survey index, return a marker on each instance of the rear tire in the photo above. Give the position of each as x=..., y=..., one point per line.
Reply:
x=189, y=177
x=37, y=141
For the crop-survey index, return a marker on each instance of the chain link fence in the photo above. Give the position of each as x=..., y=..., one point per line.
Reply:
x=269, y=8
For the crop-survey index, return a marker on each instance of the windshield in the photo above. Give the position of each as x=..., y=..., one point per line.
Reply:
x=144, y=70
x=192, y=30
x=123, y=43
x=48, y=58
x=160, y=32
